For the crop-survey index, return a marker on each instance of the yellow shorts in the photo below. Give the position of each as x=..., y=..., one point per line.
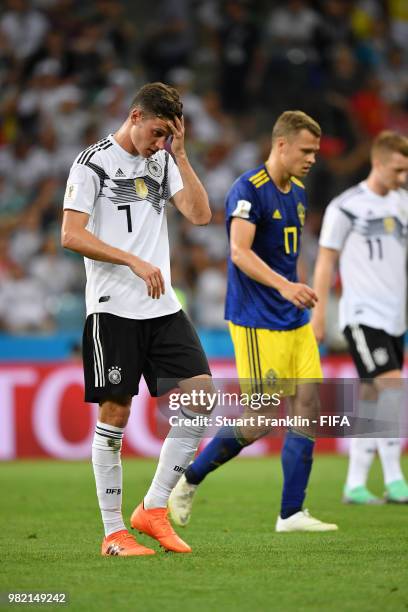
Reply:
x=264, y=357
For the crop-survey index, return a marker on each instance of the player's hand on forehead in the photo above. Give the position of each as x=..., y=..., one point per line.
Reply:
x=176, y=127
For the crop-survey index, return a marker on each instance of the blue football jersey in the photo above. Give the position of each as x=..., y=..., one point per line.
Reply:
x=279, y=218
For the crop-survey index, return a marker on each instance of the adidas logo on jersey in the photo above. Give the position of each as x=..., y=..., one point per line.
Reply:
x=119, y=173
x=277, y=214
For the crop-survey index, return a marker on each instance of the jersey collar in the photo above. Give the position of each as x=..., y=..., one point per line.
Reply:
x=123, y=152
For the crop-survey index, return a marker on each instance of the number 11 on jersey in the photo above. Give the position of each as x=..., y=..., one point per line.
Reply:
x=372, y=251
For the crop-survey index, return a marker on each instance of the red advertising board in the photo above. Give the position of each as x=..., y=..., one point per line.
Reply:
x=43, y=413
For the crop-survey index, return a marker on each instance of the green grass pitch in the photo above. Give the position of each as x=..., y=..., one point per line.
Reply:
x=51, y=535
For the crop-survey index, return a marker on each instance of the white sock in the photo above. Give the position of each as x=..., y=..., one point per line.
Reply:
x=177, y=451
x=106, y=449
x=389, y=450
x=390, y=404
x=362, y=452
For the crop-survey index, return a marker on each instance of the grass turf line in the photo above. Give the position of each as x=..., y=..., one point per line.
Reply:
x=52, y=533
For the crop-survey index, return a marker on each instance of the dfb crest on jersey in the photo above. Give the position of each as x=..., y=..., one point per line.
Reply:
x=141, y=188
x=115, y=375
x=154, y=168
x=389, y=224
x=380, y=356
x=301, y=213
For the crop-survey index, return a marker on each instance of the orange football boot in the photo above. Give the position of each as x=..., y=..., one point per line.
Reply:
x=123, y=544
x=155, y=523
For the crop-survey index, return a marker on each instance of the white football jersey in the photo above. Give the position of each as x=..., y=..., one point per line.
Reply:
x=370, y=231
x=125, y=196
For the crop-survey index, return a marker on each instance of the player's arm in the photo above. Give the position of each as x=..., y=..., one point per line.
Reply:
x=336, y=227
x=242, y=235
x=302, y=268
x=192, y=200
x=325, y=265
x=76, y=237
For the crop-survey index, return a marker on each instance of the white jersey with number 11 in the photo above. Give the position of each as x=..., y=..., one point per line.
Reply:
x=371, y=233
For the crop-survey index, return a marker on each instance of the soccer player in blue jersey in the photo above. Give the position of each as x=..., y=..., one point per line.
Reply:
x=267, y=310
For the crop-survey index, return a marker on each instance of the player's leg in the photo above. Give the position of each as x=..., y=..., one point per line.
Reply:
x=230, y=440
x=175, y=353
x=390, y=404
x=297, y=460
x=106, y=461
x=179, y=446
x=298, y=446
x=378, y=357
x=177, y=451
x=362, y=448
x=226, y=445
x=107, y=466
x=362, y=452
x=111, y=380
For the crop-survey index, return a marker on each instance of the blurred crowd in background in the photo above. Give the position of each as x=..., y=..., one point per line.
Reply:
x=69, y=70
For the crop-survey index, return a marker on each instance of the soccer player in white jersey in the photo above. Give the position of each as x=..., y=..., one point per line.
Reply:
x=366, y=227
x=115, y=216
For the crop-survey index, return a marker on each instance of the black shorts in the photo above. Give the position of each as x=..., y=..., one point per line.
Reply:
x=374, y=352
x=118, y=351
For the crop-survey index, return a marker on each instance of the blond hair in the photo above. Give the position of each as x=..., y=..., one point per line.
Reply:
x=389, y=142
x=290, y=123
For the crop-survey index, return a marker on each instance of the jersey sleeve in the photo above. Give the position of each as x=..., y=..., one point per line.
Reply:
x=243, y=203
x=175, y=182
x=335, y=228
x=82, y=189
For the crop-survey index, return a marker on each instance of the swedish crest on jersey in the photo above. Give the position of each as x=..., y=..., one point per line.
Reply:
x=271, y=378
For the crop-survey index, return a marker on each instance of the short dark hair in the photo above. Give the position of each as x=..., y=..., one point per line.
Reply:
x=292, y=122
x=158, y=100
